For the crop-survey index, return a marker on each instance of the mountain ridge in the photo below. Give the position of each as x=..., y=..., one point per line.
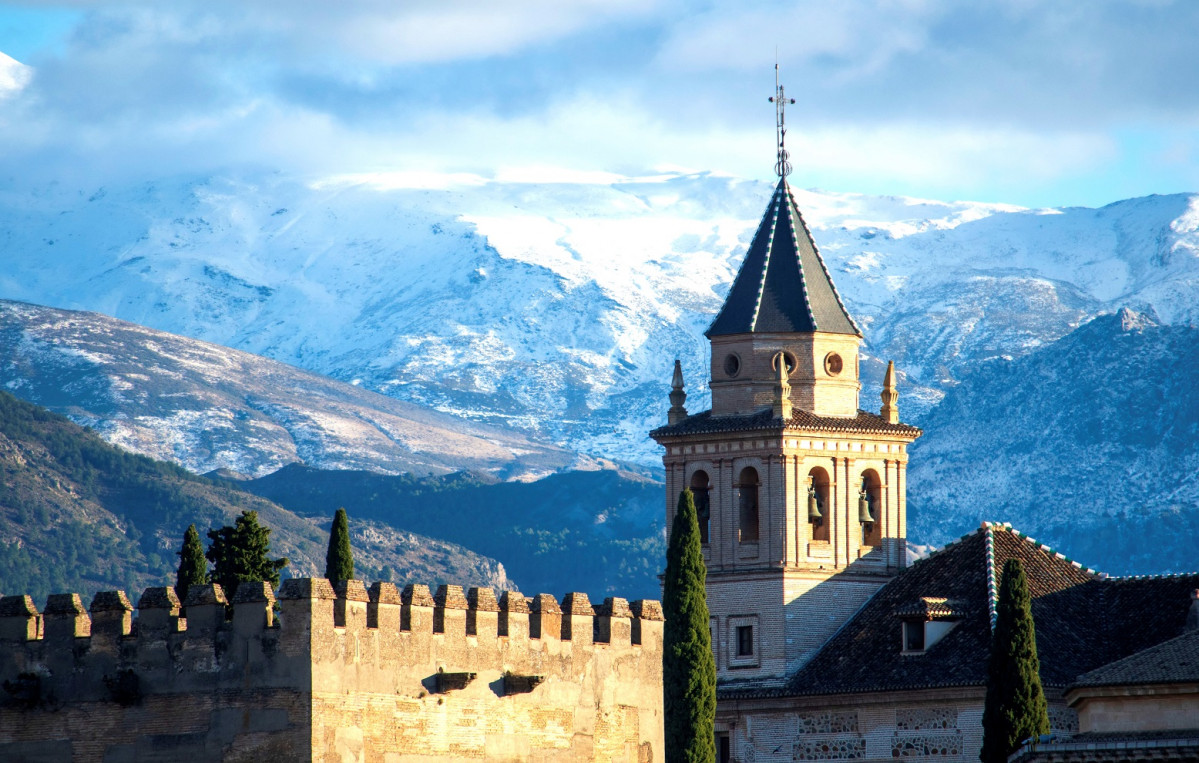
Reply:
x=556, y=309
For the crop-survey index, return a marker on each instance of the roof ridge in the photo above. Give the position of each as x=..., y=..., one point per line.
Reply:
x=1046, y=548
x=1155, y=576
x=819, y=258
x=753, y=324
x=992, y=578
x=948, y=545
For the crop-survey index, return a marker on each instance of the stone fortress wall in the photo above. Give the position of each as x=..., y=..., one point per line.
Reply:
x=349, y=674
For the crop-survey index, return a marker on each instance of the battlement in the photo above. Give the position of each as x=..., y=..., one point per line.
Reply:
x=337, y=650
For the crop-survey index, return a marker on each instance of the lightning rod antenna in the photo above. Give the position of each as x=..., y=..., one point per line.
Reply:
x=782, y=167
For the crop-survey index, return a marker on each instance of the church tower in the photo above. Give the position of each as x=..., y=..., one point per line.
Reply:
x=801, y=495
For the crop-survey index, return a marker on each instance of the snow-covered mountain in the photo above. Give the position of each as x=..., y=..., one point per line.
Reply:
x=557, y=308
x=208, y=407
x=1090, y=444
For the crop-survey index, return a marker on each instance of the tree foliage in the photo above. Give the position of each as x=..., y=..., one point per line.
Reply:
x=689, y=669
x=339, y=559
x=242, y=552
x=1015, y=706
x=193, y=570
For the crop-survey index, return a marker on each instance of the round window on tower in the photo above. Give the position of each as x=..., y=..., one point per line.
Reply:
x=732, y=365
x=833, y=364
x=791, y=362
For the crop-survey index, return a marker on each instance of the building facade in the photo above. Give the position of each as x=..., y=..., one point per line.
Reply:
x=345, y=675
x=828, y=645
x=802, y=495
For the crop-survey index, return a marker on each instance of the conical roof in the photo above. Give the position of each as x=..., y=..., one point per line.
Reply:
x=783, y=285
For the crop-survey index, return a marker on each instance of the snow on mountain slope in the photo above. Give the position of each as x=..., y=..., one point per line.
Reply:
x=209, y=407
x=557, y=308
x=1090, y=445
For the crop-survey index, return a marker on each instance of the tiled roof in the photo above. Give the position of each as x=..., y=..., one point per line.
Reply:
x=1173, y=661
x=1114, y=746
x=864, y=423
x=783, y=285
x=1083, y=620
x=932, y=606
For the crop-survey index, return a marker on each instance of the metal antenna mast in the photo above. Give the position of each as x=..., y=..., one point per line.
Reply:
x=782, y=167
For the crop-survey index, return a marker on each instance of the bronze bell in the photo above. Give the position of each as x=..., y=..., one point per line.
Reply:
x=814, y=514
x=864, y=515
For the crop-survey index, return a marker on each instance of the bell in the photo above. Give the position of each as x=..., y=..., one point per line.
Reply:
x=814, y=515
x=864, y=515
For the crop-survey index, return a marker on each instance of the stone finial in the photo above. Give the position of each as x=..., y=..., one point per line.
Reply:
x=69, y=604
x=575, y=603
x=417, y=595
x=677, y=396
x=482, y=600
x=647, y=609
x=207, y=595
x=514, y=601
x=257, y=591
x=66, y=617
x=384, y=593
x=1192, y=623
x=110, y=601
x=351, y=590
x=19, y=619
x=112, y=614
x=159, y=598
x=546, y=604
x=782, y=389
x=614, y=606
x=450, y=597
x=300, y=588
x=890, y=395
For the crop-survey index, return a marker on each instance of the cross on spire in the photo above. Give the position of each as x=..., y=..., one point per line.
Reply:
x=782, y=167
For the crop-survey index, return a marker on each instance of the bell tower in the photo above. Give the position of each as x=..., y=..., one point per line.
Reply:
x=801, y=494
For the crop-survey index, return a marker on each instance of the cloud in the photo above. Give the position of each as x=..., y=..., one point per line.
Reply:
x=969, y=99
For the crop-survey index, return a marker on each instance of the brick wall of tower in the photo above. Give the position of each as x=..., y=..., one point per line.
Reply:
x=794, y=589
x=813, y=387
x=346, y=675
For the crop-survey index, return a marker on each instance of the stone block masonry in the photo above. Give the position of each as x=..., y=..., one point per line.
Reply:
x=348, y=674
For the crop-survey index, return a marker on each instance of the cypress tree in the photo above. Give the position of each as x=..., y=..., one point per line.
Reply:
x=193, y=570
x=242, y=552
x=339, y=559
x=1015, y=707
x=689, y=669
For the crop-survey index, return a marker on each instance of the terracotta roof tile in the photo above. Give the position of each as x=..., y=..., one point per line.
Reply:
x=864, y=423
x=1173, y=661
x=1083, y=619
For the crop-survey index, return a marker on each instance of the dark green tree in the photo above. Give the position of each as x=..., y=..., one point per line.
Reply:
x=339, y=559
x=242, y=552
x=689, y=670
x=193, y=570
x=1015, y=706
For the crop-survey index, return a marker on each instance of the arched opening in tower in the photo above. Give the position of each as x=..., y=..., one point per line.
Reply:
x=747, y=501
x=701, y=488
x=872, y=492
x=818, y=492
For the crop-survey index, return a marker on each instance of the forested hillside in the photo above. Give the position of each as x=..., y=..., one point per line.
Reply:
x=78, y=514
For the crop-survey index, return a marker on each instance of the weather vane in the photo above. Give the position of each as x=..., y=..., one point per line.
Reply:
x=782, y=167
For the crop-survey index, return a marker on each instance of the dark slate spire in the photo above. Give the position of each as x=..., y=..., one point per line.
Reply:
x=783, y=285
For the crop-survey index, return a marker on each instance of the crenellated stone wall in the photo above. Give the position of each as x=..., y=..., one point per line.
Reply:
x=349, y=673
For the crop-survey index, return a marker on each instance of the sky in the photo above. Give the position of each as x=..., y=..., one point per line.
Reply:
x=1030, y=102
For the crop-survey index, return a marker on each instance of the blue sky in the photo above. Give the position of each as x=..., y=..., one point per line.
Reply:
x=1020, y=101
